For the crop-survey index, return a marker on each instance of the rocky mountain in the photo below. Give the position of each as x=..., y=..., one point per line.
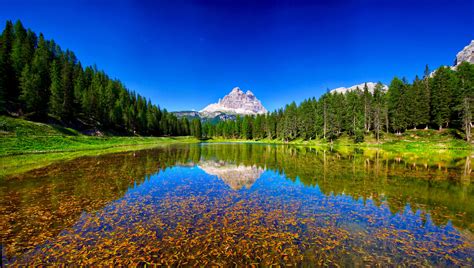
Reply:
x=370, y=85
x=467, y=54
x=236, y=102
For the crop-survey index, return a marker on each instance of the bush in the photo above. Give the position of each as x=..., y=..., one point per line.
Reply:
x=359, y=137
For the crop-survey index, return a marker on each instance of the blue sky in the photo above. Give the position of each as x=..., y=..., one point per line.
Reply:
x=186, y=54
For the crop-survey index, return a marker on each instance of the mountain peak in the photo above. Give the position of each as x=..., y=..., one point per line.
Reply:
x=466, y=54
x=236, y=90
x=236, y=102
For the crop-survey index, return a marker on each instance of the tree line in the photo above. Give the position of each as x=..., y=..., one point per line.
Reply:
x=440, y=99
x=40, y=81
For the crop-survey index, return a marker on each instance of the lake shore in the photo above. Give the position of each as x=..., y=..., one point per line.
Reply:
x=26, y=145
x=21, y=154
x=24, y=153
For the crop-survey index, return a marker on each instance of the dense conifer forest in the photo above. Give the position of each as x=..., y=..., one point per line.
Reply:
x=41, y=82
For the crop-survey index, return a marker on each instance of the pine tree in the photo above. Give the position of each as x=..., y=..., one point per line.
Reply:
x=443, y=84
x=67, y=84
x=290, y=128
x=257, y=127
x=8, y=86
x=422, y=101
x=79, y=88
x=306, y=120
x=56, y=99
x=410, y=100
x=465, y=108
x=367, y=108
x=196, y=130
x=355, y=108
x=247, y=127
x=325, y=115
x=116, y=115
x=396, y=110
x=40, y=68
x=18, y=57
x=29, y=84
x=378, y=106
x=270, y=126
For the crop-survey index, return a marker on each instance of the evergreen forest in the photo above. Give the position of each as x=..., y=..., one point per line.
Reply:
x=41, y=82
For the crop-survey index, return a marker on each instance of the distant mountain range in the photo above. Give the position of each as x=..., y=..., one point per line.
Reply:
x=239, y=103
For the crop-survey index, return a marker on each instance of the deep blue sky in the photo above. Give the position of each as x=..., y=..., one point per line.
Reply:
x=187, y=54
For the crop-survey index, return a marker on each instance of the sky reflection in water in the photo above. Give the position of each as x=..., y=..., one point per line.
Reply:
x=223, y=212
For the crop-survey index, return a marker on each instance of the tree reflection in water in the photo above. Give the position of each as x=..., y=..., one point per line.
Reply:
x=241, y=203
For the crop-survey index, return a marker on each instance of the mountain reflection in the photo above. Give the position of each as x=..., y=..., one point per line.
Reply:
x=40, y=205
x=235, y=176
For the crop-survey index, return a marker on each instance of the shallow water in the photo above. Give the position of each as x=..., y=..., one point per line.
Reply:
x=240, y=204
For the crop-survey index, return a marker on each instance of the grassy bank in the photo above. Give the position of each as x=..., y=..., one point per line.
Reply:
x=26, y=145
x=410, y=140
x=426, y=144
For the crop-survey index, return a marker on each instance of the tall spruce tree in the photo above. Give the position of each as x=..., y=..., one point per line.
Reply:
x=421, y=107
x=465, y=108
x=40, y=68
x=67, y=84
x=196, y=130
x=8, y=85
x=56, y=98
x=377, y=109
x=290, y=128
x=367, y=108
x=442, y=87
x=247, y=127
x=29, y=84
x=396, y=107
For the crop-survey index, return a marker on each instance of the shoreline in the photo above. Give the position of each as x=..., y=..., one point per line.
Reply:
x=16, y=157
x=20, y=161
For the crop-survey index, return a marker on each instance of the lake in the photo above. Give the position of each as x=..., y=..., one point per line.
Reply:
x=237, y=204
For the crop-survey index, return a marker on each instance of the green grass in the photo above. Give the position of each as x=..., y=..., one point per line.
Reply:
x=423, y=145
x=410, y=140
x=34, y=145
x=26, y=145
x=18, y=136
x=18, y=127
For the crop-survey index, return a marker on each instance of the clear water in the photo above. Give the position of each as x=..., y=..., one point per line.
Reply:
x=240, y=204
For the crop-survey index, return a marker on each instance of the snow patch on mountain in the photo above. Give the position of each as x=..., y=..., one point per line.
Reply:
x=370, y=86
